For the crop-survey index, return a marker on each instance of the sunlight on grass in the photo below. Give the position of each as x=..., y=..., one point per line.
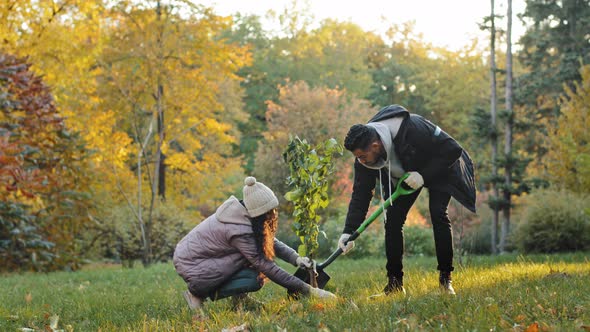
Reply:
x=494, y=293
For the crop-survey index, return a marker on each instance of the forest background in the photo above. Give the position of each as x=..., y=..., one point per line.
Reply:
x=125, y=123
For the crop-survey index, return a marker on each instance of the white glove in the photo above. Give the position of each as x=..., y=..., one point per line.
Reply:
x=304, y=262
x=345, y=248
x=415, y=180
x=320, y=293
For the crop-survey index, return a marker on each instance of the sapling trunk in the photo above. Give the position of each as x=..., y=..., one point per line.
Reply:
x=313, y=277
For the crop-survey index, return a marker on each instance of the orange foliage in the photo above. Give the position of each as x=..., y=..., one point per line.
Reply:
x=40, y=159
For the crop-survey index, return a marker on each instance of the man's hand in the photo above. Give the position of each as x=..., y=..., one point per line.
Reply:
x=320, y=293
x=415, y=180
x=304, y=262
x=345, y=248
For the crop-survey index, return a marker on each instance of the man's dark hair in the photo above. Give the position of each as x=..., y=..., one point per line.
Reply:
x=360, y=136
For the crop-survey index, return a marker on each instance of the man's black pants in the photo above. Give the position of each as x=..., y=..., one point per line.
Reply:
x=441, y=226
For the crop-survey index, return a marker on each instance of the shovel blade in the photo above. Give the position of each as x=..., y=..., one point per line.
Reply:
x=322, y=277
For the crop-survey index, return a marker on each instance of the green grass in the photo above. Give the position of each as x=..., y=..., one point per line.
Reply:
x=494, y=294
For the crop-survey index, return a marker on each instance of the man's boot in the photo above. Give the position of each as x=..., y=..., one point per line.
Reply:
x=394, y=285
x=446, y=284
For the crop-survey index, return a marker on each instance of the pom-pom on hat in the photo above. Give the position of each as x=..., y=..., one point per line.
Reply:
x=258, y=198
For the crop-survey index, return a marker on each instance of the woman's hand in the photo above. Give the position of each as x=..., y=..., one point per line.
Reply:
x=304, y=262
x=320, y=293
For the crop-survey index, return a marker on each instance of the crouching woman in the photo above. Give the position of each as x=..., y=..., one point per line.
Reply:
x=227, y=254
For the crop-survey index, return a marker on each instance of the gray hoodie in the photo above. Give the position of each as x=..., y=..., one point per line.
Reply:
x=223, y=244
x=387, y=130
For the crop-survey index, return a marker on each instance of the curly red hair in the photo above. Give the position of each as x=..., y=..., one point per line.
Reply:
x=265, y=227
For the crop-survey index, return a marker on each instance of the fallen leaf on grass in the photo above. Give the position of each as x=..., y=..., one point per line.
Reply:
x=322, y=327
x=28, y=298
x=441, y=317
x=585, y=327
x=318, y=307
x=53, y=322
x=520, y=318
x=52, y=327
x=534, y=327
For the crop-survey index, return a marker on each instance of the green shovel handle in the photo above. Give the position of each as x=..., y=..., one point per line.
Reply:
x=399, y=191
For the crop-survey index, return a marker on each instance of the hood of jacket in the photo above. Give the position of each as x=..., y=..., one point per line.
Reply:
x=385, y=137
x=387, y=125
x=384, y=133
x=233, y=212
x=390, y=112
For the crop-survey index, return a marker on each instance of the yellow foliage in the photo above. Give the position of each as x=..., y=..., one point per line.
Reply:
x=214, y=127
x=105, y=66
x=180, y=161
x=568, y=156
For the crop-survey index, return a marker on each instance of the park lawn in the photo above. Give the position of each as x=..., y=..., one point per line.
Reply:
x=508, y=292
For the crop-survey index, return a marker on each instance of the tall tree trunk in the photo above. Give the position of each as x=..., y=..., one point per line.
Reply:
x=508, y=134
x=161, y=156
x=155, y=185
x=156, y=180
x=494, y=132
x=142, y=224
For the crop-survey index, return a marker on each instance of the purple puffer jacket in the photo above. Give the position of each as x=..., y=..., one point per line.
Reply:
x=223, y=244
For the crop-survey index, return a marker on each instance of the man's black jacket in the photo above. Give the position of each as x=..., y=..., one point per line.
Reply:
x=421, y=147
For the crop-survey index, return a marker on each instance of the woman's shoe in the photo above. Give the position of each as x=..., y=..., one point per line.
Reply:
x=194, y=302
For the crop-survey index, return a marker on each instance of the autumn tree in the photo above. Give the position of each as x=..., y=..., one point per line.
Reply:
x=569, y=149
x=314, y=113
x=332, y=55
x=120, y=68
x=42, y=187
x=63, y=40
x=442, y=85
x=554, y=47
x=163, y=76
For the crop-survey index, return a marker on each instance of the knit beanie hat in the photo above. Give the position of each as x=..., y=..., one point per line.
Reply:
x=258, y=198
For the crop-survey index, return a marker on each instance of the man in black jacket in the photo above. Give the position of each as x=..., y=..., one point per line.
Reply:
x=395, y=142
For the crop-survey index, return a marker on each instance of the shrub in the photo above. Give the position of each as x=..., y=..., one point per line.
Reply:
x=117, y=236
x=419, y=240
x=554, y=221
x=478, y=239
x=22, y=246
x=477, y=236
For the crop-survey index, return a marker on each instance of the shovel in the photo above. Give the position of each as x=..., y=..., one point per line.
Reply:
x=322, y=276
